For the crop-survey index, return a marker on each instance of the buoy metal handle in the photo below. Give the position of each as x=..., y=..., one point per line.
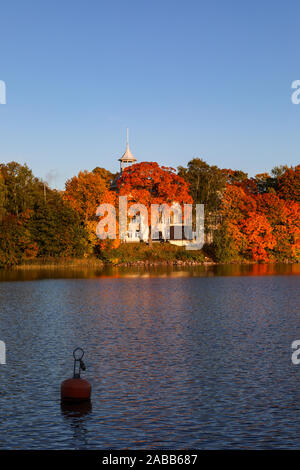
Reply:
x=78, y=354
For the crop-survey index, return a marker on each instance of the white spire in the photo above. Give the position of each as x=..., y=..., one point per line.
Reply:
x=127, y=157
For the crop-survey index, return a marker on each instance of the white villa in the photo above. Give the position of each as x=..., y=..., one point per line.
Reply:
x=170, y=228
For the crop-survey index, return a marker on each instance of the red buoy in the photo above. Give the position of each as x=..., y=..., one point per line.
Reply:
x=76, y=390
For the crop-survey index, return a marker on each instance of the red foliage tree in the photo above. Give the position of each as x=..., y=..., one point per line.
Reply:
x=147, y=183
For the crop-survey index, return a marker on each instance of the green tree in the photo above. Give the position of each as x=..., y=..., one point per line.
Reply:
x=57, y=229
x=223, y=249
x=206, y=186
x=16, y=243
x=22, y=187
x=207, y=183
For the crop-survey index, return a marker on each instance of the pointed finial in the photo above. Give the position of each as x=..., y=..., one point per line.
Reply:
x=127, y=137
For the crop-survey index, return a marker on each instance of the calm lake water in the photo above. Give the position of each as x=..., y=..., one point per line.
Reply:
x=194, y=358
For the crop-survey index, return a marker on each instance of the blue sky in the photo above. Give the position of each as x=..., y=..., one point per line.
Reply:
x=209, y=79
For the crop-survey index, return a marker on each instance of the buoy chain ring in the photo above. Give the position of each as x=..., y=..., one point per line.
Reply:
x=74, y=354
x=76, y=375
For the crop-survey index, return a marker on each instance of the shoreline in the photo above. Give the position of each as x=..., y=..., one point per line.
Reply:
x=94, y=263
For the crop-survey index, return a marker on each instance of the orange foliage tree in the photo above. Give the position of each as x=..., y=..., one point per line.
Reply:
x=289, y=184
x=284, y=218
x=148, y=183
x=84, y=193
x=263, y=226
x=251, y=231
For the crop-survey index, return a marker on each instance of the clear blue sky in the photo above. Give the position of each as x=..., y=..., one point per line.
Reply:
x=191, y=78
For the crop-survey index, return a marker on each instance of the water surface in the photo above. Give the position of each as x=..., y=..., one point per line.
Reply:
x=183, y=358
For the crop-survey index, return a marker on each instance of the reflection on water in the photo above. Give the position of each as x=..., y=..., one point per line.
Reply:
x=76, y=415
x=70, y=410
x=199, y=362
x=32, y=273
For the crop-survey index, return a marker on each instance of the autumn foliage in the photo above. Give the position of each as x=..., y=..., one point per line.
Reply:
x=35, y=221
x=147, y=183
x=263, y=224
x=84, y=193
x=249, y=219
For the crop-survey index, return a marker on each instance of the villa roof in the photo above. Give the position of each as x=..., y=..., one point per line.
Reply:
x=126, y=159
x=127, y=155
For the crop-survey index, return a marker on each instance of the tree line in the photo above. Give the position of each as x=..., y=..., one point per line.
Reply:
x=255, y=219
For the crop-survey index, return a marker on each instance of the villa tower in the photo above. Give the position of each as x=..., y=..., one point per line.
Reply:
x=127, y=158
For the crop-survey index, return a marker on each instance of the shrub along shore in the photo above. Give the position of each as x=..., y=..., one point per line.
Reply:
x=136, y=255
x=131, y=254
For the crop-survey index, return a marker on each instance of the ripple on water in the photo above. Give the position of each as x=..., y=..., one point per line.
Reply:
x=177, y=362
